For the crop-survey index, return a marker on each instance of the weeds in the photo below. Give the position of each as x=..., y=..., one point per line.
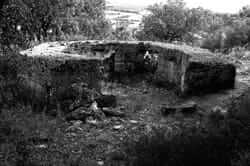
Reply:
x=29, y=139
x=220, y=141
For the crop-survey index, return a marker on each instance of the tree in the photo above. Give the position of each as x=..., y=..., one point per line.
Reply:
x=167, y=22
x=245, y=11
x=86, y=17
x=23, y=21
x=173, y=21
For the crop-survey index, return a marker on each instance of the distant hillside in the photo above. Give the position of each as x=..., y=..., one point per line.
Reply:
x=124, y=15
x=125, y=6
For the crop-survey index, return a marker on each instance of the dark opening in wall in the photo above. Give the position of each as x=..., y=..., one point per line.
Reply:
x=209, y=77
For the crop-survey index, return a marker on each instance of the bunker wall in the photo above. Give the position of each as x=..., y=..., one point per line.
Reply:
x=188, y=70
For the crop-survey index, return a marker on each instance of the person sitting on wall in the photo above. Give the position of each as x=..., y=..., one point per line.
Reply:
x=147, y=56
x=150, y=61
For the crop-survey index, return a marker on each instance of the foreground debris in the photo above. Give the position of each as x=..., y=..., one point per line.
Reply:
x=186, y=108
x=110, y=112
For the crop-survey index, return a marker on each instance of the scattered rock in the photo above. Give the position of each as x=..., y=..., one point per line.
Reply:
x=112, y=112
x=218, y=113
x=133, y=122
x=92, y=122
x=74, y=129
x=189, y=107
x=71, y=135
x=186, y=108
x=105, y=138
x=79, y=114
x=97, y=113
x=94, y=106
x=145, y=91
x=122, y=108
x=74, y=96
x=118, y=127
x=39, y=140
x=116, y=156
x=166, y=110
x=87, y=162
x=5, y=129
x=106, y=101
x=101, y=163
x=52, y=112
x=42, y=146
x=220, y=110
x=77, y=123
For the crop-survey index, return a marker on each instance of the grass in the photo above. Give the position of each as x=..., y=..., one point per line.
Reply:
x=219, y=141
x=30, y=139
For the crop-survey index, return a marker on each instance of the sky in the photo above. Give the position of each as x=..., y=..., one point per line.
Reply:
x=221, y=6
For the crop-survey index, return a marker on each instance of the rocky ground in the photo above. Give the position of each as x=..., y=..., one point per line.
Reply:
x=142, y=107
x=99, y=140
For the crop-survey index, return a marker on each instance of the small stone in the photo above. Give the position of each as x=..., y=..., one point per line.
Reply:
x=145, y=91
x=116, y=155
x=79, y=114
x=122, y=108
x=189, y=107
x=118, y=127
x=77, y=123
x=91, y=122
x=134, y=128
x=133, y=122
x=43, y=146
x=167, y=110
x=185, y=108
x=74, y=129
x=106, y=101
x=220, y=110
x=71, y=135
x=100, y=163
x=94, y=106
x=112, y=112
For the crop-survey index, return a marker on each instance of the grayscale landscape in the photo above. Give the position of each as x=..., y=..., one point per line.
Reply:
x=115, y=83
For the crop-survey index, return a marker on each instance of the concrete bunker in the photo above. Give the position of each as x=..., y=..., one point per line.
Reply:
x=188, y=70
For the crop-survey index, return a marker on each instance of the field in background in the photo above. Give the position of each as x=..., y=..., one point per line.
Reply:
x=122, y=15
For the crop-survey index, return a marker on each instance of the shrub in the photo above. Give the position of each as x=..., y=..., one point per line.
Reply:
x=21, y=133
x=243, y=159
x=213, y=42
x=184, y=149
x=167, y=22
x=234, y=35
x=218, y=141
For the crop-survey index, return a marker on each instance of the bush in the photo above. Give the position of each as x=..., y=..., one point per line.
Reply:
x=165, y=23
x=235, y=35
x=25, y=22
x=23, y=81
x=184, y=149
x=213, y=42
x=21, y=132
x=243, y=159
x=219, y=141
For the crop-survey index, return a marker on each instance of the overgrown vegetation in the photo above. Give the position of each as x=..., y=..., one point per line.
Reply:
x=173, y=21
x=32, y=139
x=219, y=140
x=24, y=22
